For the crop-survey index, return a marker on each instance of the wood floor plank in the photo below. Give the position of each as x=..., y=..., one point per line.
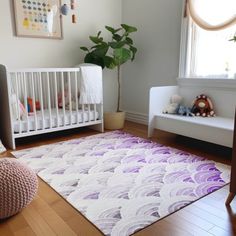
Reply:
x=56, y=223
x=82, y=226
x=217, y=231
x=198, y=221
x=17, y=223
x=5, y=229
x=36, y=222
x=186, y=225
x=47, y=193
x=222, y=213
x=62, y=209
x=27, y=231
x=213, y=219
x=163, y=228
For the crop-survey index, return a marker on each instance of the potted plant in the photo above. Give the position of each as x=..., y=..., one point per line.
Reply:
x=112, y=54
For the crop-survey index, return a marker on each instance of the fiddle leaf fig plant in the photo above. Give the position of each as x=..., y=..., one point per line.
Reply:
x=112, y=54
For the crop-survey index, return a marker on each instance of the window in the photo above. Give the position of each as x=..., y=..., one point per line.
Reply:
x=209, y=52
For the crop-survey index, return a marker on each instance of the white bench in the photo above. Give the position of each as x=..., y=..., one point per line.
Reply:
x=218, y=130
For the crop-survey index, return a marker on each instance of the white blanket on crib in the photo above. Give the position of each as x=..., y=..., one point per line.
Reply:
x=90, y=84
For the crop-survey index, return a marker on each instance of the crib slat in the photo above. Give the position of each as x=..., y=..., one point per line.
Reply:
x=63, y=98
x=25, y=100
x=41, y=99
x=95, y=111
x=83, y=111
x=76, y=97
x=70, y=102
x=89, y=116
x=34, y=101
x=49, y=100
x=56, y=98
x=18, y=116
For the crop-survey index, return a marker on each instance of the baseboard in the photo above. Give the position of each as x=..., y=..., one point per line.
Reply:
x=140, y=118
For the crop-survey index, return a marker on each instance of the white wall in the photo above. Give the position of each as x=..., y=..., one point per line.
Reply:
x=16, y=52
x=158, y=42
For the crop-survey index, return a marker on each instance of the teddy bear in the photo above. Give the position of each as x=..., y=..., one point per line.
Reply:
x=173, y=106
x=202, y=106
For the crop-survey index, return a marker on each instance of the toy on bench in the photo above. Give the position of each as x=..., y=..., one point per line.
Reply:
x=203, y=106
x=184, y=111
x=173, y=106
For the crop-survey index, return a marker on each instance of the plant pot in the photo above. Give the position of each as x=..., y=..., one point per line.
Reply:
x=114, y=120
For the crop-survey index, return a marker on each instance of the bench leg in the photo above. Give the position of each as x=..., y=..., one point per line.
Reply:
x=230, y=198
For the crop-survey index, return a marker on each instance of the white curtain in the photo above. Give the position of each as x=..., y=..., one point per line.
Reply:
x=212, y=15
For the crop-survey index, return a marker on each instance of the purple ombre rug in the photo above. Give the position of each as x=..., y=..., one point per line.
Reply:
x=123, y=183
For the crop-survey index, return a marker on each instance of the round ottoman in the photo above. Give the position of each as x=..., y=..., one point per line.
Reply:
x=18, y=186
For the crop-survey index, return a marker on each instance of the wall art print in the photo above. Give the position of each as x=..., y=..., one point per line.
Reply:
x=38, y=18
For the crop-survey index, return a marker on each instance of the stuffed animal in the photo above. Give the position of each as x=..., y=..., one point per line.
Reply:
x=202, y=106
x=31, y=105
x=184, y=111
x=18, y=109
x=66, y=100
x=174, y=104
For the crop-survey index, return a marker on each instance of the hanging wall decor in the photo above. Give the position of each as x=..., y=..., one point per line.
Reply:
x=65, y=9
x=38, y=18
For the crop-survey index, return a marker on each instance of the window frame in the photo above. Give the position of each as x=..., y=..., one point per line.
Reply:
x=186, y=54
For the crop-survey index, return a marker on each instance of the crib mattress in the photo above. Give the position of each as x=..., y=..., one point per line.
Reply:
x=56, y=122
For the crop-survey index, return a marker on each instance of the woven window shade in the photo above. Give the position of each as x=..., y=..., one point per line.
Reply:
x=224, y=12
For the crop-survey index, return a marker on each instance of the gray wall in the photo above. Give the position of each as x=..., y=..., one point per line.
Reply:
x=158, y=43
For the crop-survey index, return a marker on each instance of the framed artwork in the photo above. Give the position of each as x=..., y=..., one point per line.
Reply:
x=38, y=18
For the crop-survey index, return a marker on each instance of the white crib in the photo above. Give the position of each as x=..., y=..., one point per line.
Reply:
x=43, y=87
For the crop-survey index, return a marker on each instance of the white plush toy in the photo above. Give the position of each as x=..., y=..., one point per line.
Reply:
x=172, y=107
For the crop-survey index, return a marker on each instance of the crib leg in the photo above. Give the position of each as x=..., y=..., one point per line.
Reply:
x=98, y=127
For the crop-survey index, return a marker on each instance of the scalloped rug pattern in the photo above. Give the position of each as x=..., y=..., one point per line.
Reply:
x=122, y=183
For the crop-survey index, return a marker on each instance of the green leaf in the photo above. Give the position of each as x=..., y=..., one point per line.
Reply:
x=117, y=44
x=133, y=50
x=121, y=55
x=116, y=37
x=84, y=49
x=109, y=28
x=128, y=28
x=92, y=58
x=129, y=40
x=95, y=46
x=112, y=30
x=101, y=50
x=109, y=62
x=99, y=33
x=96, y=39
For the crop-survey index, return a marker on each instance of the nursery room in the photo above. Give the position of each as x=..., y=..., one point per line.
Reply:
x=118, y=117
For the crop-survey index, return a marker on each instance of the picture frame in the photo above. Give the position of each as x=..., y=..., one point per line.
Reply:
x=38, y=18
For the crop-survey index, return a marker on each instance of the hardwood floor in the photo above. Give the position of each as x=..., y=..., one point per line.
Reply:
x=49, y=214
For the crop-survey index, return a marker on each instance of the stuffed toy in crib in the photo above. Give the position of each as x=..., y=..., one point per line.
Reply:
x=202, y=106
x=66, y=99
